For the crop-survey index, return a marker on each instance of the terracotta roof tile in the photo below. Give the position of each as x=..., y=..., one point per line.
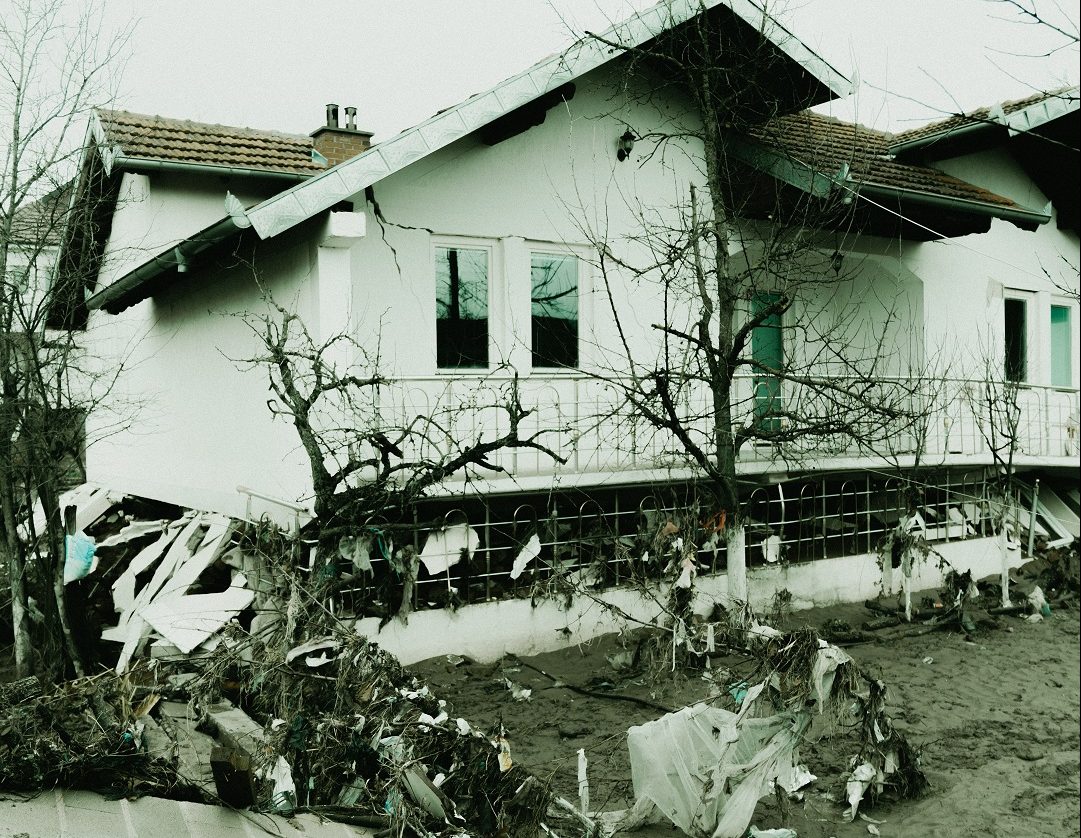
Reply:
x=183, y=141
x=958, y=121
x=826, y=144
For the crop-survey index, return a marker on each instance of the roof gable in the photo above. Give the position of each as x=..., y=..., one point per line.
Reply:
x=292, y=206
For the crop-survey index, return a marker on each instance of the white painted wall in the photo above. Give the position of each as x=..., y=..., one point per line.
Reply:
x=197, y=418
x=487, y=631
x=156, y=211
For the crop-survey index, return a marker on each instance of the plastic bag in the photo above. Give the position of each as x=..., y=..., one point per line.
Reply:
x=684, y=763
x=79, y=560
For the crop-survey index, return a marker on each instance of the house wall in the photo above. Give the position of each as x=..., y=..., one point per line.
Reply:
x=972, y=275
x=156, y=211
x=188, y=420
x=556, y=187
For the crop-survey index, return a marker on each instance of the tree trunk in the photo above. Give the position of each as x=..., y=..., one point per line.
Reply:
x=57, y=551
x=737, y=564
x=16, y=564
x=1004, y=556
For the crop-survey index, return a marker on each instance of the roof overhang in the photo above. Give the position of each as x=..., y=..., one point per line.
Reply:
x=141, y=283
x=1026, y=219
x=821, y=183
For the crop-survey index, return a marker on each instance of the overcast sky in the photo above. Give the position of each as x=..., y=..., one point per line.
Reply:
x=275, y=63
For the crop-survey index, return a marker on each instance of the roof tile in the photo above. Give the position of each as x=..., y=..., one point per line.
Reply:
x=826, y=144
x=182, y=141
x=959, y=121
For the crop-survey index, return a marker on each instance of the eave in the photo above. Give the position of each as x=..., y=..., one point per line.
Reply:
x=141, y=283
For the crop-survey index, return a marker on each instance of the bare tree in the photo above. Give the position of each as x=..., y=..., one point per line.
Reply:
x=367, y=461
x=765, y=332
x=47, y=384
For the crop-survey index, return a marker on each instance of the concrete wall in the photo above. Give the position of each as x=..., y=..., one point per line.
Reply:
x=488, y=631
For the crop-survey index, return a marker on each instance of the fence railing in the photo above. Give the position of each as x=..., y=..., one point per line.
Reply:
x=609, y=540
x=589, y=421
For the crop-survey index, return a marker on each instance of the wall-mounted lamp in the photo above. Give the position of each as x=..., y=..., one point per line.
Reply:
x=625, y=147
x=837, y=261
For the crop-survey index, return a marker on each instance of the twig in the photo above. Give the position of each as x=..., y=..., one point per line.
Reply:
x=644, y=702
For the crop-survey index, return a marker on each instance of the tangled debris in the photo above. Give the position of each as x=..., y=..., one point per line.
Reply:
x=85, y=734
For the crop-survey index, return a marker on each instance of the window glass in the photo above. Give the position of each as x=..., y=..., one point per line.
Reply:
x=461, y=307
x=1016, y=339
x=1061, y=374
x=554, y=309
x=767, y=348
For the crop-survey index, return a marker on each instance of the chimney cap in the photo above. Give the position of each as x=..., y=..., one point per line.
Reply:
x=332, y=115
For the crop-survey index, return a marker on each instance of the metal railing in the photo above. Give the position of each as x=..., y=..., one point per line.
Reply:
x=590, y=423
x=609, y=539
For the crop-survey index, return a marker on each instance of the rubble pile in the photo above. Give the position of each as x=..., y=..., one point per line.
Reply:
x=348, y=732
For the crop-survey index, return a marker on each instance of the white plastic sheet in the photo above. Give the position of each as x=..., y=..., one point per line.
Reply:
x=444, y=547
x=705, y=768
x=530, y=550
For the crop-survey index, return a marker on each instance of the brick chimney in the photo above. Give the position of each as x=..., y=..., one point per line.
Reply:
x=338, y=143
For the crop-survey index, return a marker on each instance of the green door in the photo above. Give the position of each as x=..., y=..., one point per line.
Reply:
x=767, y=348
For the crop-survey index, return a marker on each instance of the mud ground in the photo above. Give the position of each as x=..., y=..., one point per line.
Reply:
x=997, y=719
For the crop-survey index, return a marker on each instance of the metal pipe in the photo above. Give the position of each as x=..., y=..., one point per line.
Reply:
x=1032, y=518
x=132, y=164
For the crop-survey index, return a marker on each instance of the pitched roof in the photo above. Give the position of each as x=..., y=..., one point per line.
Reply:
x=1018, y=115
x=288, y=208
x=827, y=145
x=133, y=136
x=41, y=222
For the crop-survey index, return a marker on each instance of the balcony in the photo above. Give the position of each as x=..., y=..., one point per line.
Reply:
x=588, y=422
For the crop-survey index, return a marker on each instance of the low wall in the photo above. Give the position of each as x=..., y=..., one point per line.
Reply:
x=487, y=631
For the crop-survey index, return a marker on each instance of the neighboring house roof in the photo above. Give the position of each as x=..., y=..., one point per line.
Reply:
x=1020, y=115
x=127, y=136
x=835, y=153
x=286, y=209
x=41, y=222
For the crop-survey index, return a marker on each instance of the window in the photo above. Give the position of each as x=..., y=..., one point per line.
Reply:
x=767, y=349
x=1061, y=373
x=461, y=307
x=554, y=309
x=1016, y=339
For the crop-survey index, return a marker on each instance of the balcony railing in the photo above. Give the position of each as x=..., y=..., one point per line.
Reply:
x=589, y=422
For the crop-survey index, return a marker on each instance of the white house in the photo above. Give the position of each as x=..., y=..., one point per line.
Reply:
x=974, y=247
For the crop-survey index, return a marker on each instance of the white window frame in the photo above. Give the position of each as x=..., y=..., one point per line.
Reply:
x=585, y=305
x=495, y=311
